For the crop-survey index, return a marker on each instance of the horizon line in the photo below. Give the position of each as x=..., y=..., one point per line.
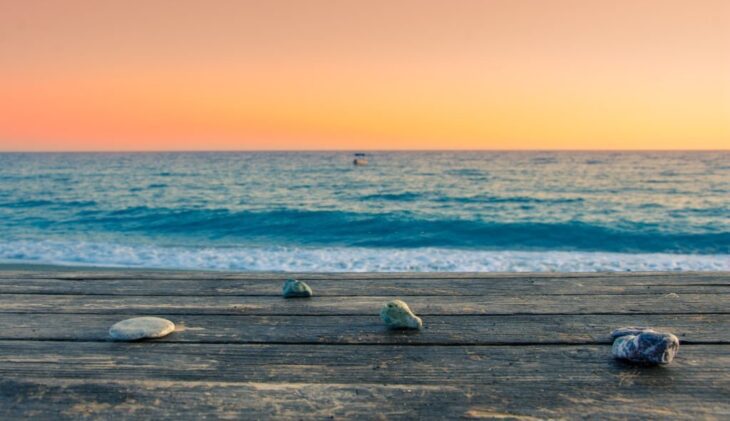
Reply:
x=351, y=150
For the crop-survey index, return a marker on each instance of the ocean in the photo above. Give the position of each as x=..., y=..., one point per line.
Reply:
x=405, y=211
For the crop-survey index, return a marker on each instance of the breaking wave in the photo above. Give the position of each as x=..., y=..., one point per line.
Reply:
x=341, y=259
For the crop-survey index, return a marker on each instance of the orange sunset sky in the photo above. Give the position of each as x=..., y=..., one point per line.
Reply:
x=376, y=74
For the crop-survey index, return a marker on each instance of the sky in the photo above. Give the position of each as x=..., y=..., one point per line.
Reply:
x=89, y=75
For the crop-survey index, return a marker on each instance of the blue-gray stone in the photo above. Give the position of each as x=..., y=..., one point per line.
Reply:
x=141, y=328
x=296, y=289
x=397, y=315
x=643, y=345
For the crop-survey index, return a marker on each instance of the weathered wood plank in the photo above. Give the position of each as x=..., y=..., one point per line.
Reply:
x=116, y=399
x=700, y=367
x=368, y=287
x=520, y=329
x=116, y=273
x=518, y=345
x=447, y=305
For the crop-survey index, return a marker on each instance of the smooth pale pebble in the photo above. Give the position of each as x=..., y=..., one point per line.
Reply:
x=141, y=328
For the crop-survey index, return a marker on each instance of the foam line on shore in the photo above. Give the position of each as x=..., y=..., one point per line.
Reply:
x=349, y=259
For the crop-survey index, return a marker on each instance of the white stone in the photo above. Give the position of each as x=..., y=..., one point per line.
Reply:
x=141, y=328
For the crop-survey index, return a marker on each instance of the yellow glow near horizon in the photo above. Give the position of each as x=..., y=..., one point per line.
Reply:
x=504, y=74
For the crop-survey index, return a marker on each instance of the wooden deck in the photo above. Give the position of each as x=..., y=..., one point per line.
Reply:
x=502, y=346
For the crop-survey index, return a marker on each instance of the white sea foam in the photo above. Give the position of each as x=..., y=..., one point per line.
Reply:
x=345, y=259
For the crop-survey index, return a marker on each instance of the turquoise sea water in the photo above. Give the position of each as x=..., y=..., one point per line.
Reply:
x=447, y=211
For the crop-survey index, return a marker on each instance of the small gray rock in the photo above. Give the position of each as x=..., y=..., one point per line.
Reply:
x=643, y=345
x=296, y=289
x=397, y=315
x=141, y=328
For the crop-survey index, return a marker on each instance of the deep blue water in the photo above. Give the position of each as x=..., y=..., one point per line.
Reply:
x=404, y=211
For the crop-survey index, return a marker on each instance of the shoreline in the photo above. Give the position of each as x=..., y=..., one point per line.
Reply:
x=46, y=267
x=344, y=259
x=40, y=267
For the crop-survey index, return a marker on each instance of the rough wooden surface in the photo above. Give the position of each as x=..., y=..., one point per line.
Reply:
x=358, y=305
x=445, y=330
x=499, y=346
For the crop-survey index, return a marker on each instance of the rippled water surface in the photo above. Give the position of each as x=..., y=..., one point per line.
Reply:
x=404, y=211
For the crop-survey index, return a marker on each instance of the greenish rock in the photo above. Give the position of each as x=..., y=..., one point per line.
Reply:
x=141, y=328
x=296, y=289
x=397, y=315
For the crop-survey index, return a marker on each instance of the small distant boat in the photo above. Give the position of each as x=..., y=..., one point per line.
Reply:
x=360, y=159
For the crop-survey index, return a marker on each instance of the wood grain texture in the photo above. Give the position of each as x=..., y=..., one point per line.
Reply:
x=495, y=346
x=369, y=305
x=73, y=399
x=47, y=398
x=364, y=287
x=438, y=330
x=697, y=366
